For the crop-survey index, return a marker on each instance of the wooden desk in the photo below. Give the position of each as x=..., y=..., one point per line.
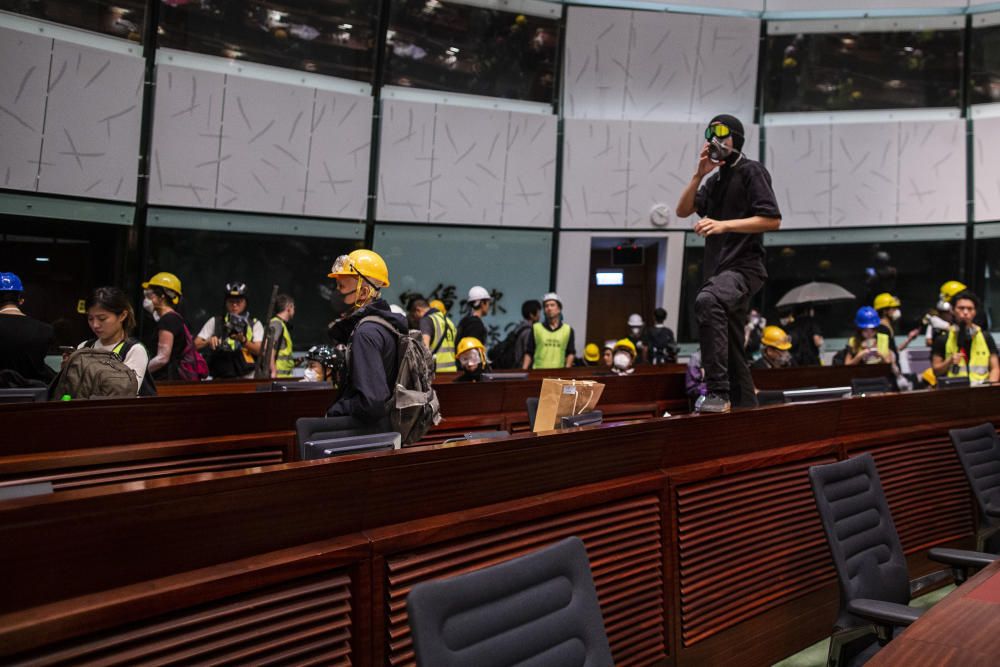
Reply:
x=962, y=630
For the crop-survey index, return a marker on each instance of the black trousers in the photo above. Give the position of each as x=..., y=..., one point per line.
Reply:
x=721, y=308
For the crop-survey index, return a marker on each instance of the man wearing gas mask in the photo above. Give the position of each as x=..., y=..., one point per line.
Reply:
x=736, y=206
x=967, y=350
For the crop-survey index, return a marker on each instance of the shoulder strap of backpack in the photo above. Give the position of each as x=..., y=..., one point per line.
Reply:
x=378, y=320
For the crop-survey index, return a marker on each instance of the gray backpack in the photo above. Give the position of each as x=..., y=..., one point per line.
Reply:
x=413, y=406
x=90, y=373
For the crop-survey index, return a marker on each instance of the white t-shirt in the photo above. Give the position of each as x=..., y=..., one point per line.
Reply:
x=208, y=330
x=137, y=358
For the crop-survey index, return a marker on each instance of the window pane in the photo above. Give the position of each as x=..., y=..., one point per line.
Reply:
x=988, y=252
x=914, y=273
x=121, y=18
x=869, y=70
x=984, y=77
x=333, y=37
x=205, y=261
x=459, y=48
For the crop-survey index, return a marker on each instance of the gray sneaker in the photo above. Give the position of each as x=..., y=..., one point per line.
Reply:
x=713, y=403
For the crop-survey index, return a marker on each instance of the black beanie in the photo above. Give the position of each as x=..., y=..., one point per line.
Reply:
x=734, y=124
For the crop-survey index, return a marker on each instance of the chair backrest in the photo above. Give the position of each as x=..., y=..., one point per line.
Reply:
x=538, y=609
x=532, y=410
x=770, y=397
x=866, y=550
x=23, y=394
x=979, y=451
x=880, y=385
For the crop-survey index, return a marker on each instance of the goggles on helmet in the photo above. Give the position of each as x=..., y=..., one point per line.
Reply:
x=344, y=266
x=718, y=131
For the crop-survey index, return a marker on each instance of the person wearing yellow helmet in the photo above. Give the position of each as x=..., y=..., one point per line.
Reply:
x=775, y=349
x=471, y=355
x=591, y=354
x=623, y=357
x=888, y=308
x=160, y=294
x=373, y=349
x=438, y=333
x=938, y=320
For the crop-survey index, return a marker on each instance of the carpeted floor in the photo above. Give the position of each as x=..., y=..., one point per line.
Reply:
x=815, y=655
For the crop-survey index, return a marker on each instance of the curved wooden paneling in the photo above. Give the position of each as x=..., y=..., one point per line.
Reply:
x=927, y=491
x=624, y=544
x=747, y=542
x=131, y=471
x=304, y=622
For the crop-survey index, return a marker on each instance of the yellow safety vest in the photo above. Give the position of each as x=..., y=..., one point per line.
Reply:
x=977, y=366
x=283, y=361
x=550, y=346
x=881, y=344
x=444, y=341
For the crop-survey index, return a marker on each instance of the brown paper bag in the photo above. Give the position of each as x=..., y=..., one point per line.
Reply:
x=563, y=398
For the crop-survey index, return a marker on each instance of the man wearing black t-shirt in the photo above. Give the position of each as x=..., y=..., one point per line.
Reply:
x=736, y=205
x=24, y=341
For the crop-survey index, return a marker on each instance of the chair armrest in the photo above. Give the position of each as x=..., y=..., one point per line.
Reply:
x=884, y=613
x=961, y=557
x=992, y=510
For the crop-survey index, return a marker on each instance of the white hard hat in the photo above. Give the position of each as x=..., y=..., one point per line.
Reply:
x=635, y=320
x=552, y=296
x=479, y=293
x=397, y=309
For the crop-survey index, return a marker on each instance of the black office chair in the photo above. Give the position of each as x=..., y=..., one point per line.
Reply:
x=537, y=609
x=869, y=559
x=24, y=394
x=979, y=451
x=324, y=448
x=532, y=411
x=862, y=386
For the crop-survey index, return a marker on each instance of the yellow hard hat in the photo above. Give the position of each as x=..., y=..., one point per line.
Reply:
x=367, y=264
x=929, y=377
x=626, y=344
x=885, y=300
x=951, y=288
x=165, y=280
x=776, y=337
x=438, y=305
x=591, y=352
x=470, y=343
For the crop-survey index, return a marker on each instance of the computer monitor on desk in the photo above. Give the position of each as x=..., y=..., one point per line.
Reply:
x=357, y=444
x=816, y=394
x=584, y=419
x=500, y=377
x=24, y=395
x=294, y=385
x=951, y=383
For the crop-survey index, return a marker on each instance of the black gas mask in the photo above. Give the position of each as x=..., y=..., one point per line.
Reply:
x=720, y=128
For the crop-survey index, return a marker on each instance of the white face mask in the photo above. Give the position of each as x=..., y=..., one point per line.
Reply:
x=636, y=330
x=311, y=376
x=896, y=314
x=147, y=305
x=622, y=361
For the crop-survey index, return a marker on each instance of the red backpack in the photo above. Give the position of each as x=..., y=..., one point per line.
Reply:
x=192, y=365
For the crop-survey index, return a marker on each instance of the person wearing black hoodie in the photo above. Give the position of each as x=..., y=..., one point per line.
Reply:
x=373, y=347
x=736, y=206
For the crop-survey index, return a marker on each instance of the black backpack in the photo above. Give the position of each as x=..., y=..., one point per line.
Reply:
x=502, y=354
x=662, y=346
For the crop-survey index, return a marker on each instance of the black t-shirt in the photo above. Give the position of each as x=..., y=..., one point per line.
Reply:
x=741, y=191
x=173, y=323
x=802, y=333
x=473, y=326
x=24, y=342
x=964, y=343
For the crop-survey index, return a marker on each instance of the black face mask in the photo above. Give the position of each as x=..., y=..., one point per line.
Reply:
x=337, y=304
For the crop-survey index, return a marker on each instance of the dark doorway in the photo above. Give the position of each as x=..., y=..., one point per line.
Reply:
x=634, y=264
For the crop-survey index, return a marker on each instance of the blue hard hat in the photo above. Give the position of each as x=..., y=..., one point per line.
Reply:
x=867, y=318
x=9, y=282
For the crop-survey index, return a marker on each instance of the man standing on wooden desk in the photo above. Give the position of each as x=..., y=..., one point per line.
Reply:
x=736, y=205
